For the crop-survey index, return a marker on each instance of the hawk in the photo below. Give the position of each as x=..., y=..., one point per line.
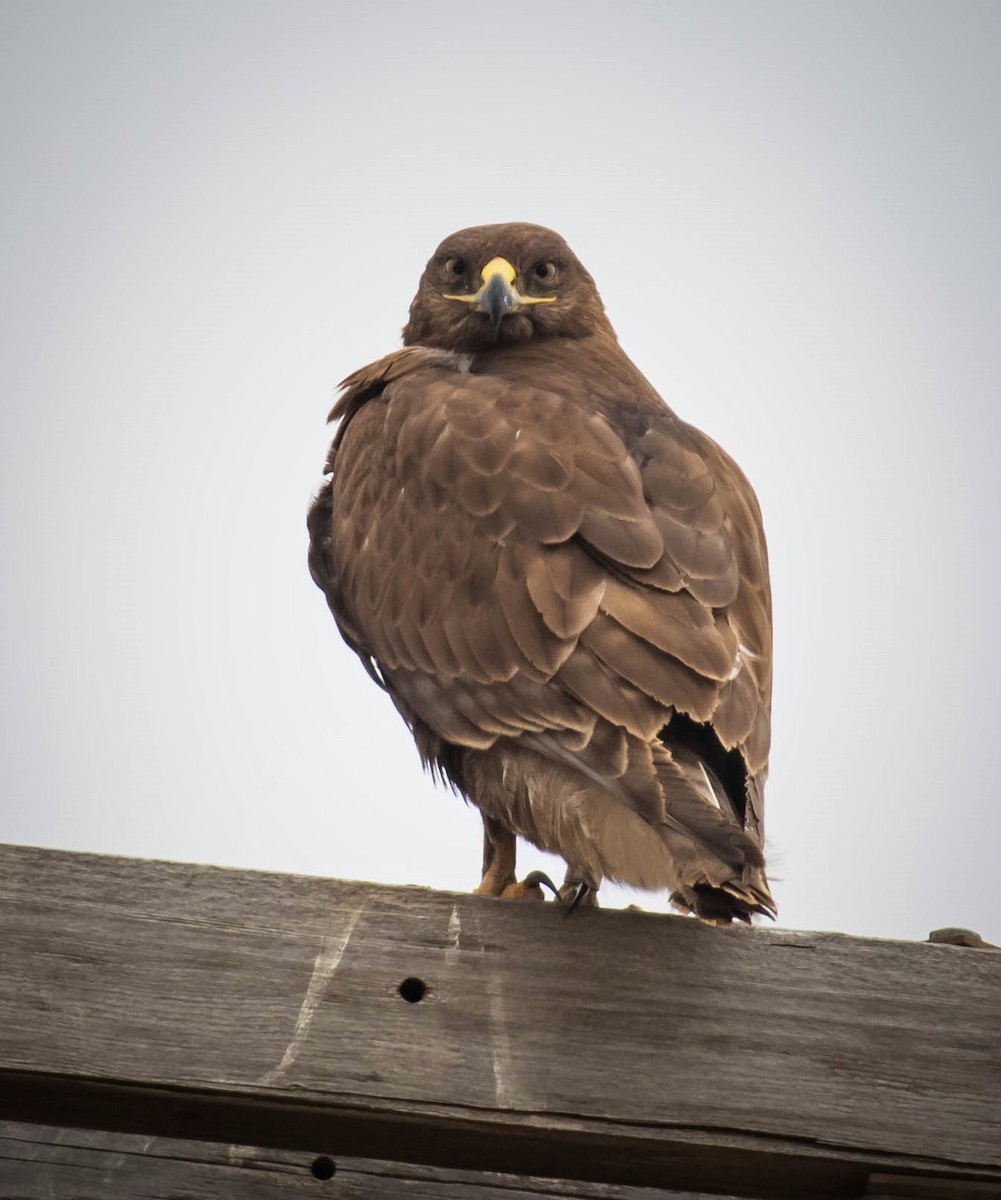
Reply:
x=561, y=585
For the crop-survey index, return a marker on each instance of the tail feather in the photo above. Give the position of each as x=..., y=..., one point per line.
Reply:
x=712, y=834
x=720, y=862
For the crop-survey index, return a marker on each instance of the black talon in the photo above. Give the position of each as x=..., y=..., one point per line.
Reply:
x=538, y=878
x=580, y=892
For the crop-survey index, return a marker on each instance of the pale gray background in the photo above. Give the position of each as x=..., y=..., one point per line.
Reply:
x=213, y=211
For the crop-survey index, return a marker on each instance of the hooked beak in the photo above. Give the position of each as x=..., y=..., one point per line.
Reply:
x=497, y=298
x=498, y=295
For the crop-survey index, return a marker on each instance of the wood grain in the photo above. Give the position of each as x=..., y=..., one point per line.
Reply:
x=185, y=1001
x=39, y=1162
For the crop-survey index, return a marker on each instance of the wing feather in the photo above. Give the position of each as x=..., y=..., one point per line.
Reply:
x=610, y=695
x=666, y=680
x=566, y=586
x=675, y=623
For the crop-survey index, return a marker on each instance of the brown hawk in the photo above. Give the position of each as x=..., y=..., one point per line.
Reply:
x=562, y=586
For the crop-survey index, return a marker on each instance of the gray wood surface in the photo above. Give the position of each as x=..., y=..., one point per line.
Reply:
x=42, y=1163
x=200, y=1003
x=38, y=1162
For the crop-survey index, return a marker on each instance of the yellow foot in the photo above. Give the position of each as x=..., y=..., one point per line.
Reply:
x=530, y=887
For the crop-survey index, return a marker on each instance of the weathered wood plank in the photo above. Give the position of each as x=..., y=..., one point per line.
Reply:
x=617, y=1047
x=39, y=1162
x=911, y=1187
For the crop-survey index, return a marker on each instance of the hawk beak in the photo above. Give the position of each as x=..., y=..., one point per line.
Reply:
x=498, y=296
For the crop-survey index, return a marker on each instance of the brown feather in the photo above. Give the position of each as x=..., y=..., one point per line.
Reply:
x=659, y=676
x=675, y=623
x=610, y=696
x=566, y=587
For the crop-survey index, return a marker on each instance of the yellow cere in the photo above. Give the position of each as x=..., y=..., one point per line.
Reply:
x=499, y=266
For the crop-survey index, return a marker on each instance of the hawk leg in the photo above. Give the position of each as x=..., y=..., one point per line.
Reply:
x=577, y=893
x=499, y=851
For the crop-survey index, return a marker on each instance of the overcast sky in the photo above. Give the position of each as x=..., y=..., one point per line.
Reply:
x=213, y=211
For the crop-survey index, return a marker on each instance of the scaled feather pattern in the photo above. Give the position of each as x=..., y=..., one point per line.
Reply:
x=562, y=586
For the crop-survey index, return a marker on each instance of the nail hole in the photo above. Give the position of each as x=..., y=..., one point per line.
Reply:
x=413, y=990
x=323, y=1167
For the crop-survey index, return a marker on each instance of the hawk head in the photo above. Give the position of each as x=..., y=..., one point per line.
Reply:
x=497, y=285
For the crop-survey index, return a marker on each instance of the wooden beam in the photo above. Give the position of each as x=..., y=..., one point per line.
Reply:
x=612, y=1047
x=38, y=1162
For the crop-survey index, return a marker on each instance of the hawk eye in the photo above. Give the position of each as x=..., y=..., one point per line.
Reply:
x=455, y=268
x=544, y=271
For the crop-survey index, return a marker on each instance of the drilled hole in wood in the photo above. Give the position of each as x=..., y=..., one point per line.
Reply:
x=323, y=1167
x=413, y=990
